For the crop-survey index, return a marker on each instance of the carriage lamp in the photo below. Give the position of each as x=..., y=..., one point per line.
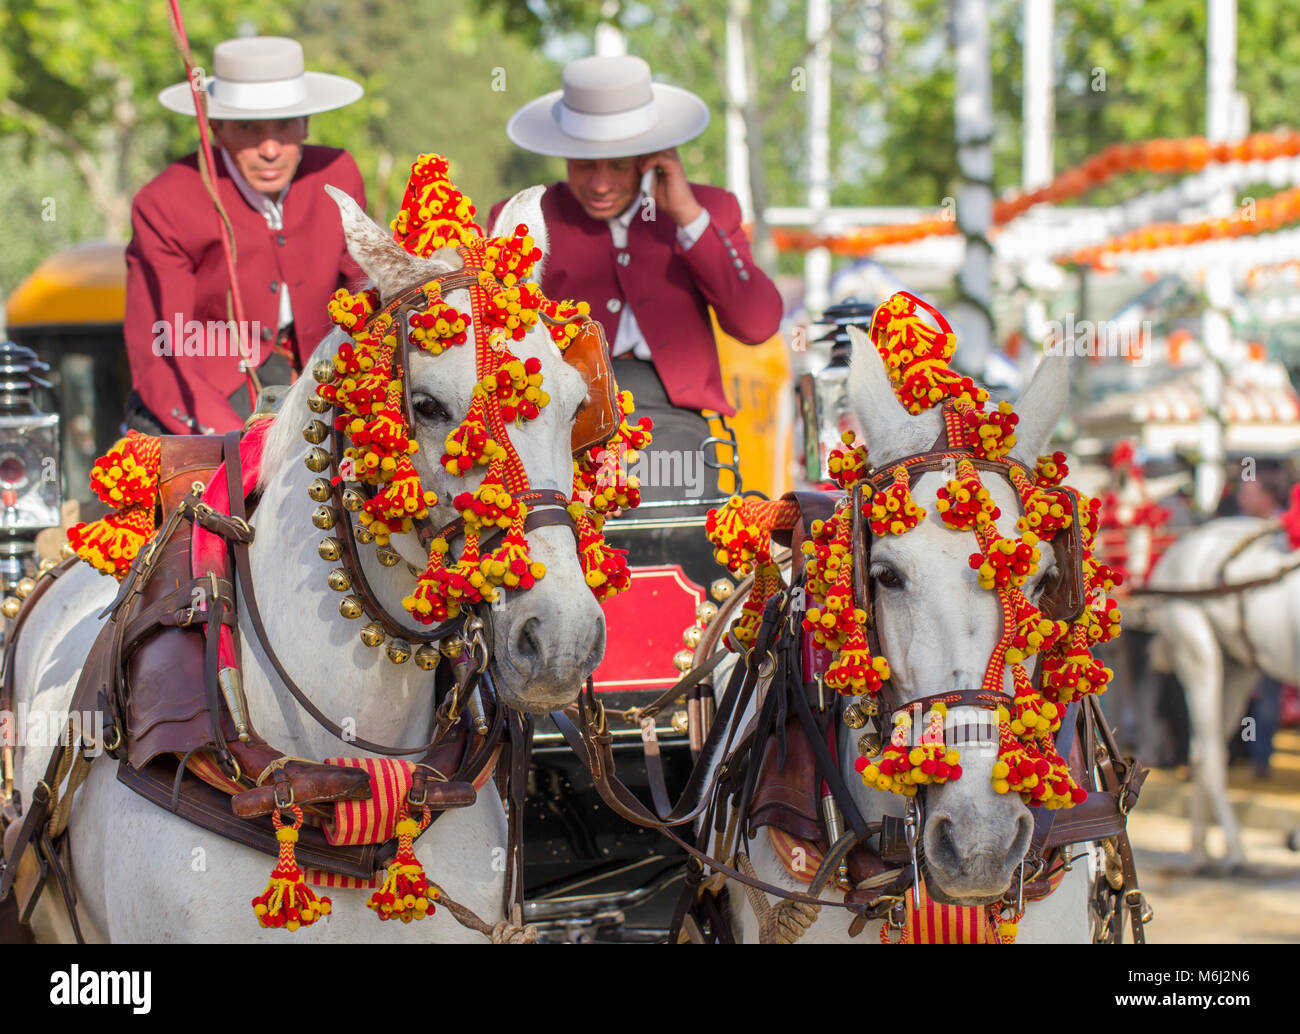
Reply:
x=30, y=494
x=823, y=402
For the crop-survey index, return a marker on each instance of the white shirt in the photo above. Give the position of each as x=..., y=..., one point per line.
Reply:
x=629, y=338
x=273, y=211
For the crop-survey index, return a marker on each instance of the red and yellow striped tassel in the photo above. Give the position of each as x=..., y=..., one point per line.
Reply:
x=288, y=902
x=407, y=893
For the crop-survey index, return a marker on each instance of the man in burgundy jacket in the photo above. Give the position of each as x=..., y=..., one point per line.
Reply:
x=650, y=251
x=290, y=250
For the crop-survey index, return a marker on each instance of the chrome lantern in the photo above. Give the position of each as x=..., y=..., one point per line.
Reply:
x=824, y=409
x=30, y=495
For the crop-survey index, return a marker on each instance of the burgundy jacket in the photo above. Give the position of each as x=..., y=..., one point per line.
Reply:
x=175, y=266
x=669, y=290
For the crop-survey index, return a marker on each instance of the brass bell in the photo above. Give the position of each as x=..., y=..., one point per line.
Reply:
x=317, y=460
x=353, y=500
x=66, y=550
x=427, y=657
x=318, y=405
x=324, y=517
x=387, y=557
x=351, y=607
x=324, y=371
x=330, y=549
x=681, y=721
x=869, y=743
x=340, y=580
x=365, y=535
x=315, y=432
x=11, y=606
x=722, y=589
x=692, y=636
x=706, y=611
x=372, y=634
x=453, y=647
x=399, y=651
x=48, y=564
x=320, y=490
x=854, y=716
x=682, y=659
x=24, y=587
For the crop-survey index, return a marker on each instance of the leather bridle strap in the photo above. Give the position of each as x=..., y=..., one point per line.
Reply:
x=627, y=806
x=234, y=481
x=546, y=506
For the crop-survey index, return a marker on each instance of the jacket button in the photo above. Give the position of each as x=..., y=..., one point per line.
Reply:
x=739, y=264
x=624, y=258
x=266, y=333
x=613, y=305
x=743, y=274
x=275, y=286
x=280, y=240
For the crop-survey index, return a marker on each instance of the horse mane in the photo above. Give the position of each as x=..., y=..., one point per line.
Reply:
x=285, y=436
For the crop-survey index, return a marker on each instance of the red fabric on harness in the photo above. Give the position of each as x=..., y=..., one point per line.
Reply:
x=207, y=550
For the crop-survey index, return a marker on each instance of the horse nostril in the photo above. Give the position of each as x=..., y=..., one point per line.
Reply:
x=527, y=642
x=944, y=849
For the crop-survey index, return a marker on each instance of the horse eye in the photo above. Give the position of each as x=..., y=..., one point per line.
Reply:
x=886, y=576
x=429, y=408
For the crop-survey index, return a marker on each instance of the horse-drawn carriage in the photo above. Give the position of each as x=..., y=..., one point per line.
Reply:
x=975, y=777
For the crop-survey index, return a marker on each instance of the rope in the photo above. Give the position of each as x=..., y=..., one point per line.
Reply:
x=511, y=931
x=207, y=172
x=74, y=767
x=784, y=924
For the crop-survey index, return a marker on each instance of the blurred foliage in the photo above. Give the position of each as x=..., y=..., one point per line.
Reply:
x=80, y=121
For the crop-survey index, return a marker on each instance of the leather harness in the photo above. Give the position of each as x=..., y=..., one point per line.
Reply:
x=771, y=771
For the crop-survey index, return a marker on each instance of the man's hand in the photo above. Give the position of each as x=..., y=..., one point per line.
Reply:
x=671, y=193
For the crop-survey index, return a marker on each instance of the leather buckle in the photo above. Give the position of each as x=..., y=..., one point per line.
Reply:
x=289, y=786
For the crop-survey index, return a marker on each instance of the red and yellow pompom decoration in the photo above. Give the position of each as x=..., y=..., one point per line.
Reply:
x=892, y=511
x=368, y=396
x=1008, y=562
x=125, y=478
x=288, y=901
x=406, y=893
x=904, y=765
x=434, y=214
x=604, y=568
x=1051, y=470
x=564, y=319
x=964, y=504
x=741, y=534
x=992, y=434
x=916, y=355
x=847, y=463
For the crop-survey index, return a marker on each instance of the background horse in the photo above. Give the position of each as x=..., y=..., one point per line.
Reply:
x=1217, y=646
x=937, y=628
x=144, y=874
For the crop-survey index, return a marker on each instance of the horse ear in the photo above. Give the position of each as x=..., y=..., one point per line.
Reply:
x=890, y=429
x=387, y=263
x=525, y=207
x=1040, y=407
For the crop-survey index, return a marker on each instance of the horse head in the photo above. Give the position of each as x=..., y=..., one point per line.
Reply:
x=546, y=640
x=938, y=627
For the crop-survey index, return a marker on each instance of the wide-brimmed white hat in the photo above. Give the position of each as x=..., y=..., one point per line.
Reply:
x=262, y=77
x=608, y=108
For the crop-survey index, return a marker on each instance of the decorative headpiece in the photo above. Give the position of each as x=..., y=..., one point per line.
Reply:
x=916, y=356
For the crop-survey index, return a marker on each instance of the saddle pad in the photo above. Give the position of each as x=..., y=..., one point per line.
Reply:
x=373, y=821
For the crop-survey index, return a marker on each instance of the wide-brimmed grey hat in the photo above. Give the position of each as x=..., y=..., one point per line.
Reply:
x=263, y=77
x=608, y=108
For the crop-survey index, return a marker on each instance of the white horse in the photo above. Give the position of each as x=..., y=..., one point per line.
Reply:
x=1216, y=659
x=937, y=628
x=145, y=875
